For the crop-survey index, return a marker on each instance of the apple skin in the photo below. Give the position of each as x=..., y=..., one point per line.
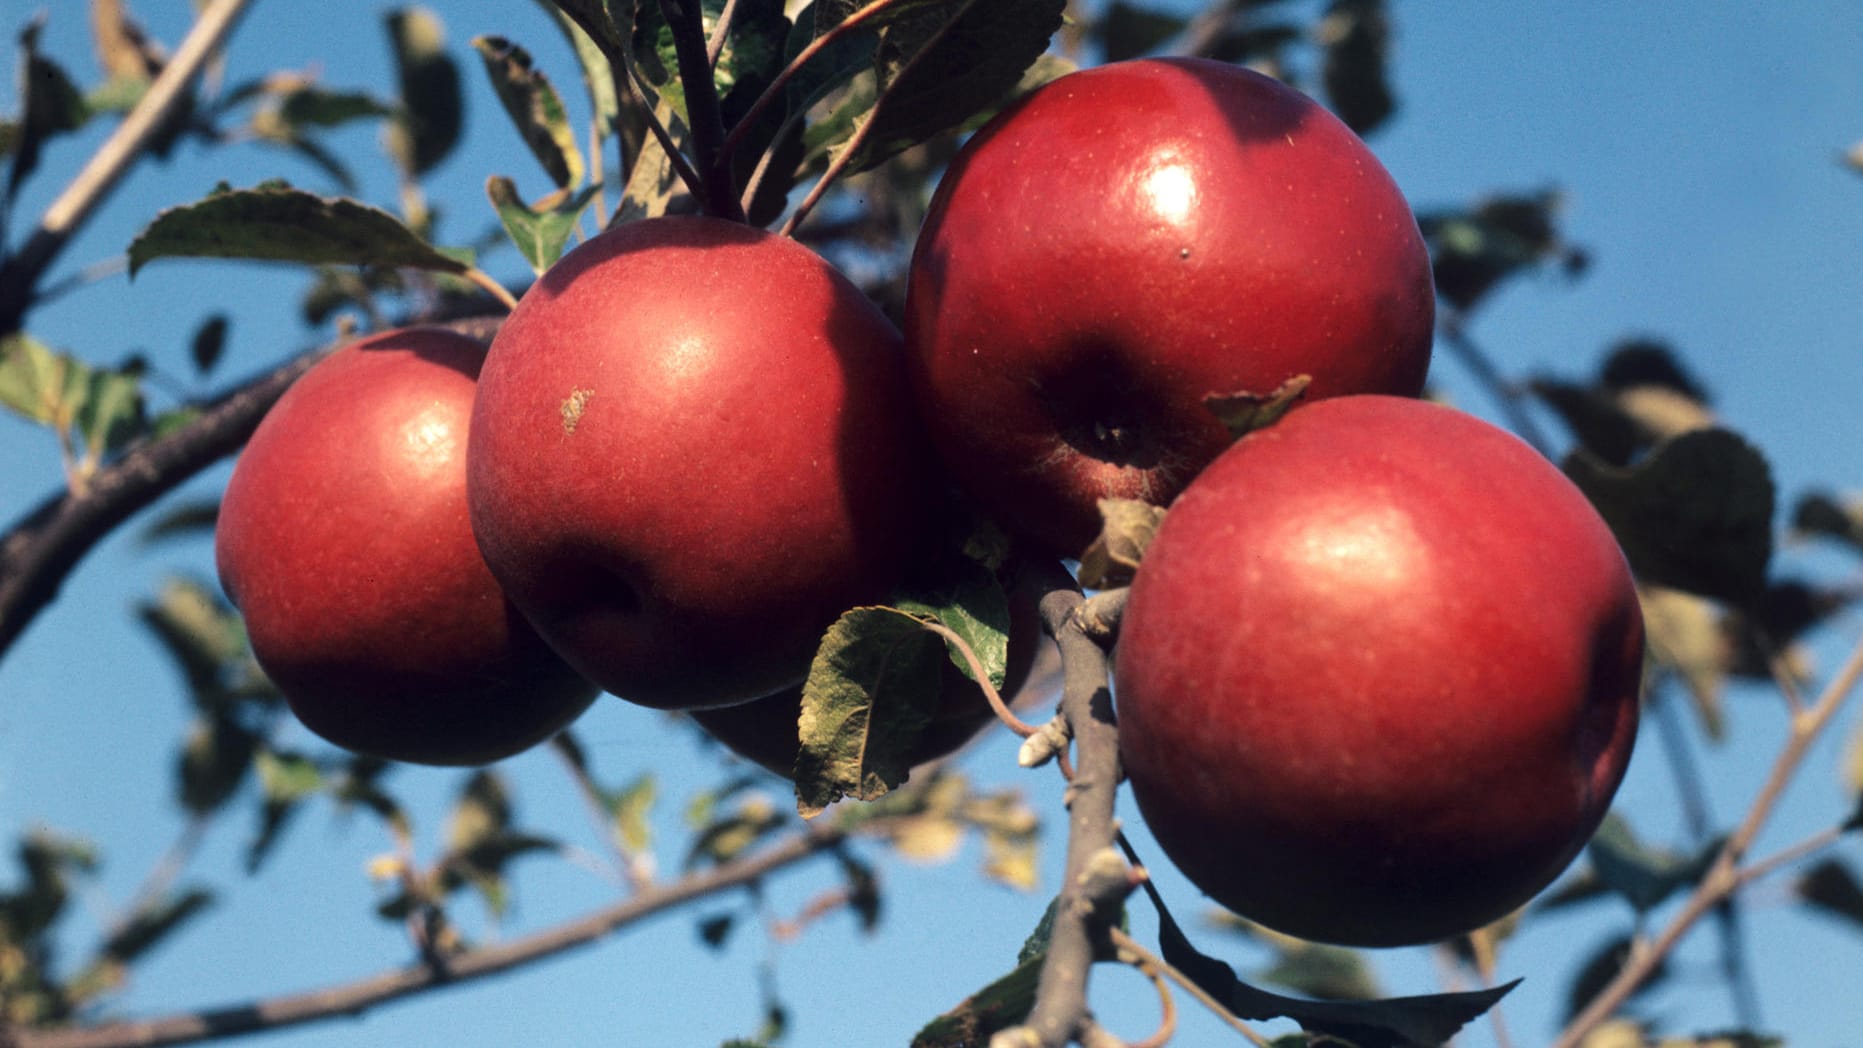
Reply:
x=1127, y=240
x=1378, y=677
x=693, y=449
x=343, y=539
x=764, y=731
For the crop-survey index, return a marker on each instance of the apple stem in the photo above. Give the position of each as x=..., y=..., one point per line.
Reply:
x=703, y=114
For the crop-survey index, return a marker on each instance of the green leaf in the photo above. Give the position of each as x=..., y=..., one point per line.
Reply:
x=215, y=758
x=154, y=922
x=1695, y=514
x=972, y=604
x=597, y=74
x=111, y=413
x=594, y=18
x=200, y=632
x=1356, y=37
x=309, y=106
x=540, y=235
x=183, y=519
x=286, y=779
x=209, y=343
x=941, y=63
x=51, y=102
x=276, y=223
x=728, y=836
x=1128, y=30
x=869, y=695
x=714, y=930
x=35, y=379
x=1829, y=516
x=482, y=811
x=631, y=807
x=534, y=107
x=1037, y=943
x=432, y=113
x=1832, y=887
x=996, y=1007
x=1395, y=1022
x=1601, y=967
x=1643, y=876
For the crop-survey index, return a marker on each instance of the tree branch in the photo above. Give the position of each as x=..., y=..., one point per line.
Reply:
x=352, y=999
x=19, y=275
x=1725, y=876
x=1096, y=877
x=47, y=543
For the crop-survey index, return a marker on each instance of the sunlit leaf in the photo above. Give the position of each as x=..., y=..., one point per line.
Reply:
x=534, y=107
x=276, y=223
x=540, y=235
x=869, y=695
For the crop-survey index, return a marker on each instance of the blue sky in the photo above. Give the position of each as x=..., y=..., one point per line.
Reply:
x=1696, y=146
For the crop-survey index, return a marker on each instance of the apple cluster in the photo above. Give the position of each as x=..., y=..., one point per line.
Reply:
x=1377, y=679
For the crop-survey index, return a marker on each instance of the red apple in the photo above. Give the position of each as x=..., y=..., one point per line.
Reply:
x=344, y=540
x=693, y=449
x=1128, y=240
x=1378, y=677
x=765, y=731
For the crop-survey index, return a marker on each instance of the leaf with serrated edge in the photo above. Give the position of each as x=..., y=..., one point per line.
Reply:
x=971, y=604
x=868, y=696
x=534, y=107
x=540, y=236
x=1695, y=514
x=275, y=223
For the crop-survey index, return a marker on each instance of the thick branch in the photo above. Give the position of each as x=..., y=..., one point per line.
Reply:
x=126, y=145
x=703, y=114
x=355, y=998
x=1084, y=913
x=46, y=545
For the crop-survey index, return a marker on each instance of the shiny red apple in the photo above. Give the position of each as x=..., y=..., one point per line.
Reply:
x=1378, y=677
x=1128, y=240
x=693, y=449
x=344, y=540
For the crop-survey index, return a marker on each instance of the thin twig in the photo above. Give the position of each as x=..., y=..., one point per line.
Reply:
x=1507, y=394
x=1127, y=944
x=994, y=697
x=126, y=145
x=352, y=999
x=1723, y=877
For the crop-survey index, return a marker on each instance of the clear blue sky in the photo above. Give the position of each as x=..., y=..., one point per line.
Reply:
x=1697, y=146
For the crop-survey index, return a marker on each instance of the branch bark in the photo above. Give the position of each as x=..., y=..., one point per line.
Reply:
x=353, y=999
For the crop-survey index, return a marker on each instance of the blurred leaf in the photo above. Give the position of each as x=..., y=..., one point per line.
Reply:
x=1394, y=1022
x=1601, y=967
x=209, y=343
x=311, y=106
x=1126, y=529
x=940, y=62
x=432, y=107
x=276, y=223
x=1687, y=636
x=51, y=103
x=1473, y=251
x=192, y=517
x=972, y=604
x=359, y=784
x=597, y=74
x=729, y=836
x=1787, y=611
x=863, y=890
x=1696, y=514
x=1641, y=875
x=285, y=780
x=483, y=863
x=48, y=862
x=153, y=922
x=534, y=107
x=215, y=758
x=36, y=381
x=111, y=413
x=653, y=185
x=200, y=632
x=1638, y=362
x=631, y=807
x=1356, y=38
x=1012, y=859
x=869, y=694
x=927, y=838
x=1128, y=30
x=482, y=810
x=996, y=1007
x=714, y=930
x=1829, y=516
x=1600, y=423
x=123, y=49
x=540, y=234
x=1832, y=887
